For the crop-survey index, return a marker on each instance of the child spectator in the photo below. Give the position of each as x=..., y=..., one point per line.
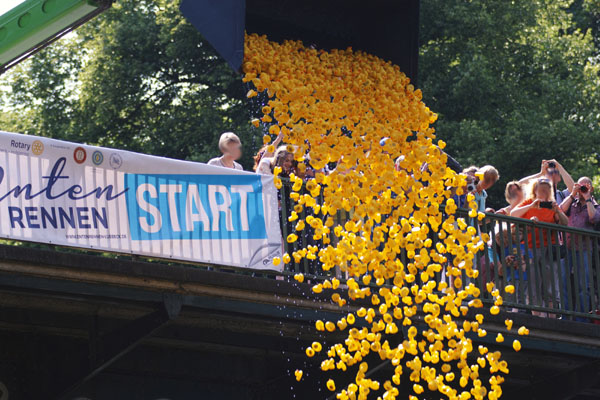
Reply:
x=231, y=147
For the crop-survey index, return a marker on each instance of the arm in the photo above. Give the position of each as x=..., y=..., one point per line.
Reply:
x=520, y=211
x=566, y=203
x=544, y=167
x=592, y=211
x=559, y=215
x=566, y=177
x=278, y=139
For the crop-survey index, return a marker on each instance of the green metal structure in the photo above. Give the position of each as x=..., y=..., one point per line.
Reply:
x=33, y=24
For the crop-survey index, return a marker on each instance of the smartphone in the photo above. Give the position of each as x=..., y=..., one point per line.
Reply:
x=546, y=204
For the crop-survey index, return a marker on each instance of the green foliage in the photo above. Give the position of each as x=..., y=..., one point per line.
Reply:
x=514, y=82
x=138, y=77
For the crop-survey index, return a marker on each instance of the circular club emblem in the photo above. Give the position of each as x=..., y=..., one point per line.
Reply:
x=115, y=161
x=79, y=155
x=97, y=157
x=37, y=147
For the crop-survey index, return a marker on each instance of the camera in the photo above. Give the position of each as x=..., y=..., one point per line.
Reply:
x=471, y=187
x=583, y=189
x=551, y=164
x=546, y=204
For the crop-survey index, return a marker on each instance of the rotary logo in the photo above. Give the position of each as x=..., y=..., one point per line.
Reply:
x=79, y=155
x=37, y=147
x=97, y=157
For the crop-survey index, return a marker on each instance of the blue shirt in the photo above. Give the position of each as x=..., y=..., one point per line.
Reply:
x=480, y=200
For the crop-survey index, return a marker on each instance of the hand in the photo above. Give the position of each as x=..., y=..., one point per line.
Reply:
x=558, y=166
x=544, y=167
x=576, y=188
x=490, y=210
x=555, y=207
x=587, y=195
x=278, y=139
x=536, y=203
x=535, y=219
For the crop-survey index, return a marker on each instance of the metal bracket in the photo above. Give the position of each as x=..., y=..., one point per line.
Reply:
x=107, y=348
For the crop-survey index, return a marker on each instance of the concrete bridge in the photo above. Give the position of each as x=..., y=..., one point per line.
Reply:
x=82, y=326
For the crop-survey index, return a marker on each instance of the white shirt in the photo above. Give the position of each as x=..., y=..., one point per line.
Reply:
x=218, y=161
x=264, y=166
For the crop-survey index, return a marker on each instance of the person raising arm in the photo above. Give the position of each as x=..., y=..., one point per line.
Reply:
x=555, y=172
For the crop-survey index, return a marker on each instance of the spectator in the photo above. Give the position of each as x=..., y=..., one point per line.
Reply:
x=505, y=241
x=541, y=207
x=583, y=212
x=263, y=152
x=487, y=177
x=461, y=200
x=554, y=171
x=282, y=158
x=513, y=195
x=231, y=147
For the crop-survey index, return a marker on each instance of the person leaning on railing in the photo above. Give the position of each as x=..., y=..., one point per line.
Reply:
x=541, y=207
x=489, y=176
x=584, y=213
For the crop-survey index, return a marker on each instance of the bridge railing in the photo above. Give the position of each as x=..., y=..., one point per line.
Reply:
x=553, y=269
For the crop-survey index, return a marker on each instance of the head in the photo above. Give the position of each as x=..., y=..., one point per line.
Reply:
x=489, y=176
x=470, y=178
x=513, y=193
x=259, y=155
x=230, y=145
x=552, y=173
x=542, y=189
x=470, y=171
x=284, y=159
x=587, y=182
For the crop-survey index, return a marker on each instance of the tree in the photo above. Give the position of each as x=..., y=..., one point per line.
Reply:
x=138, y=77
x=513, y=83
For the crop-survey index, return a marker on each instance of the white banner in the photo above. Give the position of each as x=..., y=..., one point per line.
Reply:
x=69, y=194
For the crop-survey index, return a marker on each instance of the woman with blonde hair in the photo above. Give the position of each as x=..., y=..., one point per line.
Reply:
x=541, y=207
x=282, y=158
x=513, y=193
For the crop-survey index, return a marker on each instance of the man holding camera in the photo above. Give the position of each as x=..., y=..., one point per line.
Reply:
x=584, y=213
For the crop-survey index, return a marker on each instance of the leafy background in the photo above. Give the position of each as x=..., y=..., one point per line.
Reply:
x=513, y=82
